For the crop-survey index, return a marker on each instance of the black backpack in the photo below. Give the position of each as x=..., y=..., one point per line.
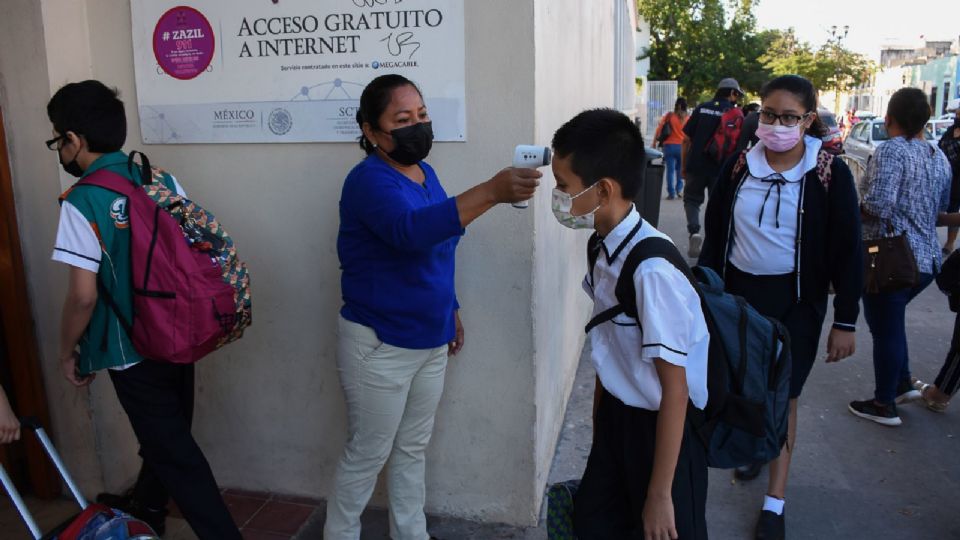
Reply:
x=748, y=368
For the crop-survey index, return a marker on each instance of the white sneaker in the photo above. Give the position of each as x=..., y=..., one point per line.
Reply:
x=696, y=240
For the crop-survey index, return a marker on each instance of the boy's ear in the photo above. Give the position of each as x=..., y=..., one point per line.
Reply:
x=74, y=139
x=609, y=188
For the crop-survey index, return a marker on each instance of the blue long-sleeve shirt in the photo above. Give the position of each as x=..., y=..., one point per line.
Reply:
x=397, y=245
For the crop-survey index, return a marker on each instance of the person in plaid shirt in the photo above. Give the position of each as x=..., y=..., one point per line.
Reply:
x=906, y=187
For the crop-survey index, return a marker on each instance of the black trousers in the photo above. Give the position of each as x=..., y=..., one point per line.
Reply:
x=158, y=399
x=776, y=297
x=948, y=380
x=609, y=503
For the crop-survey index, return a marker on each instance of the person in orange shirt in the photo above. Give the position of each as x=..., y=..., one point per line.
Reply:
x=671, y=140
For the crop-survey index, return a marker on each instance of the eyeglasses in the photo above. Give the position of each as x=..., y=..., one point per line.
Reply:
x=788, y=120
x=53, y=144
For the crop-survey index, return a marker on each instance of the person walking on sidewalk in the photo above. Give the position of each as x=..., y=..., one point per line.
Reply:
x=699, y=169
x=937, y=396
x=400, y=317
x=950, y=144
x=780, y=235
x=672, y=144
x=905, y=188
x=93, y=239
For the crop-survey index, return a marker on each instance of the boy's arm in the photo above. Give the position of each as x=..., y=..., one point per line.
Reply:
x=658, y=514
x=948, y=220
x=77, y=310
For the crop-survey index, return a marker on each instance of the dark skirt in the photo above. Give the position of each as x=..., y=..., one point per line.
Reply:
x=609, y=503
x=776, y=297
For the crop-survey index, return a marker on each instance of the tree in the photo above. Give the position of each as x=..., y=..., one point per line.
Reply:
x=831, y=67
x=699, y=42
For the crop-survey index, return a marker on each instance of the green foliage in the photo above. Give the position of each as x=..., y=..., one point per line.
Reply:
x=830, y=67
x=699, y=42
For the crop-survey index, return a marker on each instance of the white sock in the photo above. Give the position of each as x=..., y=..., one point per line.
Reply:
x=773, y=504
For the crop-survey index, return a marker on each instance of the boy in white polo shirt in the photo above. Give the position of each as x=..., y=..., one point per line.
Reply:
x=647, y=474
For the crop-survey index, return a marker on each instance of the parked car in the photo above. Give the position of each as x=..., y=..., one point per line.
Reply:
x=937, y=128
x=833, y=140
x=866, y=136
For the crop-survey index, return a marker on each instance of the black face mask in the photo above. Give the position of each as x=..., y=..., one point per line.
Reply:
x=413, y=143
x=72, y=168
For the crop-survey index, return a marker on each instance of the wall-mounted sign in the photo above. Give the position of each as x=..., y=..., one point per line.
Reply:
x=211, y=71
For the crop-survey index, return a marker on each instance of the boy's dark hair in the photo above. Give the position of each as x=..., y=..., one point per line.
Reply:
x=910, y=109
x=603, y=143
x=90, y=109
x=804, y=91
x=751, y=107
x=375, y=99
x=680, y=105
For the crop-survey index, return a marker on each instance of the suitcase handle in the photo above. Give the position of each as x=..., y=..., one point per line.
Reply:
x=34, y=425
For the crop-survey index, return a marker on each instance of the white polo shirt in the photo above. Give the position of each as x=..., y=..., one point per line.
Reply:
x=765, y=213
x=671, y=323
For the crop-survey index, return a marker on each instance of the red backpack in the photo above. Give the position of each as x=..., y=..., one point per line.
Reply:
x=191, y=295
x=724, y=141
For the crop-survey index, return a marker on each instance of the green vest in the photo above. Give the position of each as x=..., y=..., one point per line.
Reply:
x=105, y=343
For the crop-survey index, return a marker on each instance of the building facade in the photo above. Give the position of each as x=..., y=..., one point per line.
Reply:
x=270, y=414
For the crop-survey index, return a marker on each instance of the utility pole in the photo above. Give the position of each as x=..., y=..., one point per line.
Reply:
x=837, y=35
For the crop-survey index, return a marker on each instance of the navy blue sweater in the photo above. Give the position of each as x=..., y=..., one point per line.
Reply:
x=397, y=243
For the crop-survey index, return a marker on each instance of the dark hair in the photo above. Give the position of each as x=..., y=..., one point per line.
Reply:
x=604, y=143
x=92, y=110
x=375, y=100
x=804, y=91
x=752, y=107
x=909, y=108
x=680, y=105
x=725, y=93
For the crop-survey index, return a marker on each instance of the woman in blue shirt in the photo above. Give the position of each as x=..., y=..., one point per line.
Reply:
x=400, y=319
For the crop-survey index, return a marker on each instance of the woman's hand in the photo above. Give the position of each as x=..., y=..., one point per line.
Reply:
x=9, y=425
x=514, y=185
x=840, y=344
x=658, y=520
x=454, y=347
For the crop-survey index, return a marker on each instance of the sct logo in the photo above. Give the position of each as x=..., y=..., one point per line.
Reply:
x=280, y=121
x=375, y=65
x=118, y=212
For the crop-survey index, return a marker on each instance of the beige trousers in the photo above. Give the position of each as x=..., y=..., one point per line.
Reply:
x=392, y=395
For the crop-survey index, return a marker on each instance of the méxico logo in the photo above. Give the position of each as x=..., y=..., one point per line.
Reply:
x=118, y=212
x=280, y=121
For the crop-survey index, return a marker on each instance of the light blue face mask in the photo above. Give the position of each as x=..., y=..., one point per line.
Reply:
x=563, y=202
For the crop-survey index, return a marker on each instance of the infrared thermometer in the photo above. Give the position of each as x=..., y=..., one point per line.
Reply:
x=530, y=157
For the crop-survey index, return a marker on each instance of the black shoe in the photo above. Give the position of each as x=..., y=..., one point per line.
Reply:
x=748, y=472
x=770, y=526
x=156, y=519
x=885, y=415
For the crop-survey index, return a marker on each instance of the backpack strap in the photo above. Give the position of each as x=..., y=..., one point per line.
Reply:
x=825, y=168
x=740, y=167
x=625, y=290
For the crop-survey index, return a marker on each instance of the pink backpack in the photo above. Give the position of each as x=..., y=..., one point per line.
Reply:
x=191, y=295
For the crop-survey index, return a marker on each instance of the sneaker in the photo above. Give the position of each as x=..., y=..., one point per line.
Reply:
x=881, y=414
x=696, y=240
x=156, y=519
x=770, y=526
x=670, y=197
x=907, y=393
x=748, y=472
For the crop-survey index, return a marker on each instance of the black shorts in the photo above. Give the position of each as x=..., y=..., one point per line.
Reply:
x=776, y=297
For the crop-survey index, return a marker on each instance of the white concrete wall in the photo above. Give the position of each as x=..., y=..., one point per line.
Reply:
x=575, y=59
x=270, y=413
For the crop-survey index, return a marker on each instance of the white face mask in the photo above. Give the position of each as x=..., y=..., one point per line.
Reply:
x=563, y=202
